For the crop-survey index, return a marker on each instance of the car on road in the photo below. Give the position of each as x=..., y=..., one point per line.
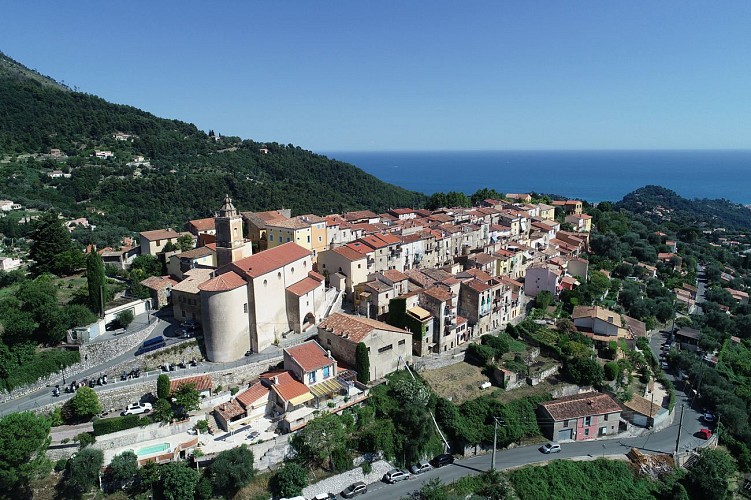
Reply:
x=254, y=435
x=549, y=448
x=664, y=365
x=137, y=408
x=443, y=459
x=704, y=433
x=324, y=496
x=420, y=467
x=354, y=489
x=395, y=475
x=190, y=325
x=708, y=417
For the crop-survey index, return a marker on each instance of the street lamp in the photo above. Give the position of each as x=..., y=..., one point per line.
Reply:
x=495, y=440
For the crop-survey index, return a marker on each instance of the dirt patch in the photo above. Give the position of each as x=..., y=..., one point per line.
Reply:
x=457, y=383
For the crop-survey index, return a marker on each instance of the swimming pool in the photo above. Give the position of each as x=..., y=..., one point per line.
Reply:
x=153, y=449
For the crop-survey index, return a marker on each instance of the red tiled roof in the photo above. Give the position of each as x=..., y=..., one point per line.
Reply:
x=477, y=285
x=159, y=234
x=349, y=253
x=269, y=260
x=395, y=275
x=581, y=405
x=158, y=282
x=287, y=387
x=316, y=276
x=438, y=292
x=229, y=410
x=223, y=282
x=355, y=328
x=359, y=215
x=304, y=286
x=309, y=355
x=252, y=394
x=203, y=224
x=202, y=383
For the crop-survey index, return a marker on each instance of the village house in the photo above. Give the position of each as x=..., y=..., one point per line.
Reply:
x=580, y=417
x=186, y=301
x=160, y=288
x=9, y=263
x=255, y=225
x=153, y=242
x=122, y=258
x=388, y=346
x=8, y=205
x=196, y=258
x=308, y=231
x=345, y=268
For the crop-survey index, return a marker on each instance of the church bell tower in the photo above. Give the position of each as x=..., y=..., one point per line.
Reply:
x=229, y=234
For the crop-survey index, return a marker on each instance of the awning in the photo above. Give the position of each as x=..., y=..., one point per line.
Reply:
x=327, y=387
x=303, y=398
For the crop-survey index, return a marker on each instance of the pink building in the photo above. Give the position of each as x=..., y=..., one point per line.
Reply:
x=580, y=417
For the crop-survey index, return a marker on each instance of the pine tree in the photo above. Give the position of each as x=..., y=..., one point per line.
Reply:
x=96, y=281
x=51, y=241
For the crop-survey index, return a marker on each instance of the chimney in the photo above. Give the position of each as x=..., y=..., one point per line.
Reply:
x=275, y=380
x=328, y=353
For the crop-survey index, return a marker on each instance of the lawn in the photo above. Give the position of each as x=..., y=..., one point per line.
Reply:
x=458, y=383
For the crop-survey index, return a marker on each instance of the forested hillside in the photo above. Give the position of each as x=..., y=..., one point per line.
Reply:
x=184, y=172
x=663, y=204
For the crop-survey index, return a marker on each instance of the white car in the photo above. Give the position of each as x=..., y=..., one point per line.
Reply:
x=550, y=448
x=137, y=408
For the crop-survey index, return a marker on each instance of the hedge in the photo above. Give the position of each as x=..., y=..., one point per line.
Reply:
x=110, y=425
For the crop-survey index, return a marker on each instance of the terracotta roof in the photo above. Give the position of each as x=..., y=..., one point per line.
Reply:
x=482, y=258
x=287, y=387
x=223, y=282
x=299, y=222
x=304, y=286
x=203, y=224
x=193, y=280
x=309, y=355
x=158, y=282
x=359, y=215
x=316, y=276
x=202, y=383
x=477, y=285
x=229, y=410
x=159, y=234
x=349, y=253
x=269, y=260
x=355, y=328
x=252, y=394
x=600, y=313
x=476, y=273
x=581, y=405
x=642, y=405
x=395, y=275
x=196, y=253
x=636, y=327
x=438, y=292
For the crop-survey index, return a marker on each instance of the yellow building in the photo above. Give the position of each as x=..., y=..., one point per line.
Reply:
x=308, y=231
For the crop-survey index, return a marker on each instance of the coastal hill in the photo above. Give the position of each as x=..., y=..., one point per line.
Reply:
x=662, y=204
x=161, y=172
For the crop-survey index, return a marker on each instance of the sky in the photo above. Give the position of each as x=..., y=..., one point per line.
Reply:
x=408, y=75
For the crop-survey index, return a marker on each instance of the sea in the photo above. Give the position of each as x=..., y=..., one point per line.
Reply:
x=589, y=175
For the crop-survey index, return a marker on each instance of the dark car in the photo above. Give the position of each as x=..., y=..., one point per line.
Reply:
x=443, y=459
x=354, y=489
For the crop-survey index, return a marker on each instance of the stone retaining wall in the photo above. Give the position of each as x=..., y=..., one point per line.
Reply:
x=91, y=355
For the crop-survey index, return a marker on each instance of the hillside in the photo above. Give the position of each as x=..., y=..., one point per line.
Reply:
x=184, y=172
x=662, y=204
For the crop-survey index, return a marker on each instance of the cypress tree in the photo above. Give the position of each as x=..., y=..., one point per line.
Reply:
x=163, y=387
x=95, y=279
x=362, y=363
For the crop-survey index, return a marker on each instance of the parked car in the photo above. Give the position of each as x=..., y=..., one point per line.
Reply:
x=548, y=448
x=190, y=325
x=395, y=475
x=354, y=489
x=708, y=417
x=324, y=496
x=254, y=435
x=137, y=408
x=664, y=365
x=704, y=433
x=420, y=467
x=443, y=459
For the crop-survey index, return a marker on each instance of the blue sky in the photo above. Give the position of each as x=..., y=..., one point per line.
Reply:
x=349, y=75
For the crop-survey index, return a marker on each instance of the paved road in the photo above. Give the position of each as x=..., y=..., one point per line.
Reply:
x=165, y=327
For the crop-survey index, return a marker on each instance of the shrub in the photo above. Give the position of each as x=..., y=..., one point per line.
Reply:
x=110, y=425
x=202, y=426
x=124, y=318
x=234, y=390
x=479, y=354
x=61, y=464
x=366, y=467
x=611, y=370
x=85, y=439
x=290, y=480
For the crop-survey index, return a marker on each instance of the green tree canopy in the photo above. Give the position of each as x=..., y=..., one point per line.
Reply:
x=24, y=438
x=84, y=470
x=232, y=469
x=96, y=282
x=318, y=441
x=84, y=404
x=289, y=480
x=709, y=477
x=50, y=241
x=187, y=399
x=362, y=363
x=123, y=468
x=163, y=386
x=178, y=481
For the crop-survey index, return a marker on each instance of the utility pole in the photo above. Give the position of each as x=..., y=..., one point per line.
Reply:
x=717, y=441
x=495, y=441
x=680, y=425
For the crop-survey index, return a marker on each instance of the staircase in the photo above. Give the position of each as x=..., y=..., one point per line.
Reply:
x=214, y=428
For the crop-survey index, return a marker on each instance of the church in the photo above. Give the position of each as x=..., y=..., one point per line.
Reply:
x=250, y=302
